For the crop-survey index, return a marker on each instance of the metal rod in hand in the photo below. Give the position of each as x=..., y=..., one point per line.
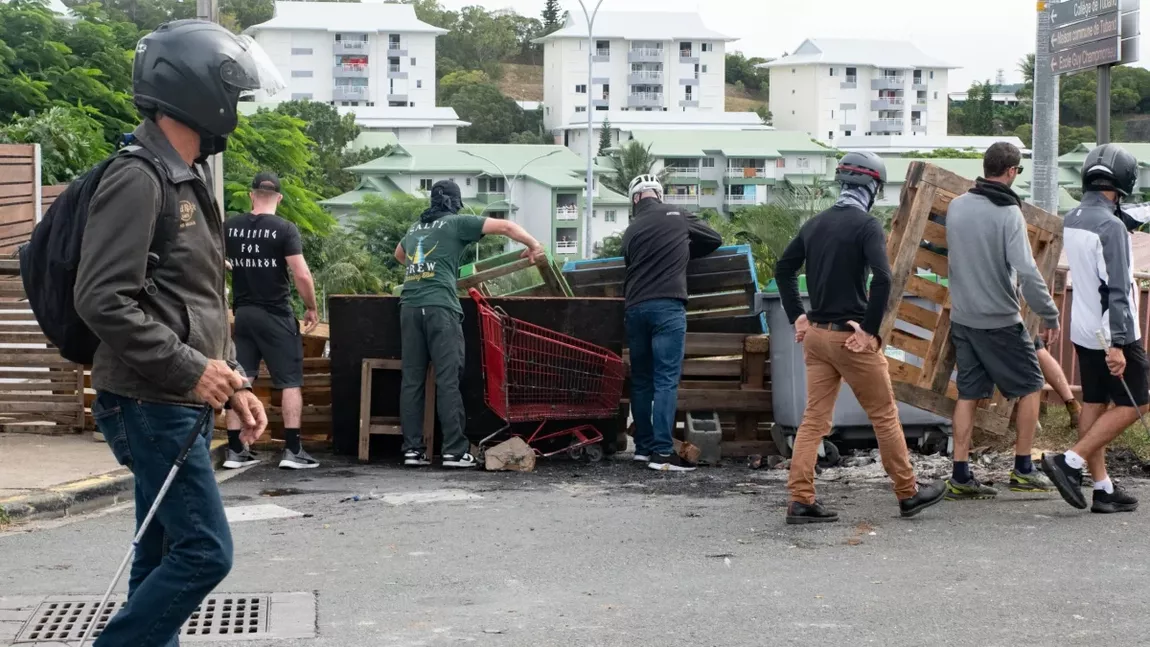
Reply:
x=1129, y=393
x=184, y=451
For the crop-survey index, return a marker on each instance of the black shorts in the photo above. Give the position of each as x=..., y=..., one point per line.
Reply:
x=276, y=340
x=1100, y=387
x=1002, y=357
x=1038, y=345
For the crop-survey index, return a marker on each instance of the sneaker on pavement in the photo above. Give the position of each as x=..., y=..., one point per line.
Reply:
x=464, y=461
x=298, y=461
x=641, y=458
x=1067, y=479
x=1118, y=501
x=413, y=458
x=236, y=460
x=971, y=490
x=800, y=513
x=926, y=496
x=670, y=463
x=1035, y=481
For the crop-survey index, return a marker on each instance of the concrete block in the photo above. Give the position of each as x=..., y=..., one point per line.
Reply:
x=705, y=432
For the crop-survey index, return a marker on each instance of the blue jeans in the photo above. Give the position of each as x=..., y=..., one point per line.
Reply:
x=656, y=335
x=187, y=549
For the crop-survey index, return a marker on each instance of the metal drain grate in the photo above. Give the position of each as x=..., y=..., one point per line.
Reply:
x=220, y=616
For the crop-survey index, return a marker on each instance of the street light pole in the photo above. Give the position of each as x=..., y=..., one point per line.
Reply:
x=590, y=18
x=509, y=186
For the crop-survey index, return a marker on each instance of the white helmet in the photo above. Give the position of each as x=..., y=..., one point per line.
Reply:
x=646, y=182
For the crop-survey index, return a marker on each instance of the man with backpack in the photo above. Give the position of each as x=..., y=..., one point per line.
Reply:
x=149, y=287
x=262, y=247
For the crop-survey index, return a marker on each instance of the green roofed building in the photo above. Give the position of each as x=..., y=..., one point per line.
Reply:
x=726, y=170
x=544, y=183
x=1070, y=164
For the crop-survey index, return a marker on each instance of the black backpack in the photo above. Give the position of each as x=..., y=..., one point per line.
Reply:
x=48, y=262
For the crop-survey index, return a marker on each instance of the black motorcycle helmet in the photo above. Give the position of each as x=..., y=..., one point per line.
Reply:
x=1110, y=168
x=861, y=168
x=195, y=72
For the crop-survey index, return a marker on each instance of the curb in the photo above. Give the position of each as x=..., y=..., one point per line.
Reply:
x=83, y=496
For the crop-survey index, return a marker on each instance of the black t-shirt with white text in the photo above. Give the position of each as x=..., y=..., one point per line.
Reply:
x=257, y=248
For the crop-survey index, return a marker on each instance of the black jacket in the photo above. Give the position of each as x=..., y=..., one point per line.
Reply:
x=656, y=247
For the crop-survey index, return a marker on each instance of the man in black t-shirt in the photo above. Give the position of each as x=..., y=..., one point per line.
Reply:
x=261, y=248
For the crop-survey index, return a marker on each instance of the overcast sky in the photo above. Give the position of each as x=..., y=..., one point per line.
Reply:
x=981, y=36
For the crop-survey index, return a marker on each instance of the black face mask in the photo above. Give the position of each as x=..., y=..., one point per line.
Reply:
x=211, y=145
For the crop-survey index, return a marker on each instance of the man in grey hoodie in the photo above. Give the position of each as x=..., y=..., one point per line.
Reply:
x=988, y=252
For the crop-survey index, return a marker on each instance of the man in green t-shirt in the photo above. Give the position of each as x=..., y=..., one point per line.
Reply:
x=430, y=318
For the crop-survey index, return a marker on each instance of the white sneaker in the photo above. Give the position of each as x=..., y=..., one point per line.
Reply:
x=466, y=460
x=641, y=458
x=300, y=461
x=413, y=458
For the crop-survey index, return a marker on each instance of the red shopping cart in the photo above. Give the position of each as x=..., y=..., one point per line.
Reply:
x=535, y=374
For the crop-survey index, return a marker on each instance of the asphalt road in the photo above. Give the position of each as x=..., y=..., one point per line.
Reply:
x=613, y=554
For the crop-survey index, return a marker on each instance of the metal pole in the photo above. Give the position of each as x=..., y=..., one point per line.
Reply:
x=1103, y=105
x=590, y=201
x=210, y=10
x=1044, y=145
x=508, y=186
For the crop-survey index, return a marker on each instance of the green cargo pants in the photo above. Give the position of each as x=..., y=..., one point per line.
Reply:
x=435, y=335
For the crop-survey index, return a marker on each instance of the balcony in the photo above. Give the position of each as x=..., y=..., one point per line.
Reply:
x=886, y=126
x=567, y=212
x=397, y=97
x=849, y=83
x=601, y=56
x=887, y=103
x=738, y=199
x=567, y=247
x=688, y=103
x=487, y=197
x=919, y=105
x=672, y=198
x=350, y=93
x=396, y=49
x=918, y=127
x=393, y=72
x=645, y=55
x=645, y=77
x=918, y=85
x=888, y=83
x=350, y=47
x=350, y=72
x=605, y=102
x=645, y=100
x=848, y=127
x=689, y=172
x=688, y=56
x=747, y=172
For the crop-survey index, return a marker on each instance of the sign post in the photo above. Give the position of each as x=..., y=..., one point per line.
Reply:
x=1094, y=34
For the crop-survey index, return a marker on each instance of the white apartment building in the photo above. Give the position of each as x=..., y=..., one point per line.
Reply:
x=831, y=88
x=351, y=54
x=642, y=62
x=626, y=125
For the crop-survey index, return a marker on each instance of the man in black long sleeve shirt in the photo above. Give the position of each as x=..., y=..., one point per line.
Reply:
x=657, y=245
x=839, y=245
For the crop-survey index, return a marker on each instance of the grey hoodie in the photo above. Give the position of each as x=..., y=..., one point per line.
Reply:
x=988, y=252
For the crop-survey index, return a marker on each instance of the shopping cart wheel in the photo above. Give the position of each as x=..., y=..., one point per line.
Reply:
x=594, y=452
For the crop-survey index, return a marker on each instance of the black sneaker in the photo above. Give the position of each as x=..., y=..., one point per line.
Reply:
x=670, y=463
x=800, y=513
x=412, y=458
x=297, y=460
x=1118, y=501
x=464, y=461
x=926, y=496
x=236, y=460
x=1067, y=479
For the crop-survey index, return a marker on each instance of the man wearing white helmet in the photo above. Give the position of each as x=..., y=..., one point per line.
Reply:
x=659, y=241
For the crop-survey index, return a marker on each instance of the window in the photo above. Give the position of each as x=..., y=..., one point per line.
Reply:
x=609, y=215
x=425, y=184
x=707, y=162
x=832, y=71
x=847, y=133
x=580, y=108
x=830, y=134
x=804, y=162
x=708, y=190
x=468, y=181
x=301, y=74
x=832, y=114
x=418, y=84
x=413, y=61
x=603, y=45
x=708, y=47
x=792, y=92
x=792, y=70
x=301, y=96
x=780, y=163
x=301, y=51
x=704, y=69
x=936, y=95
x=932, y=74
x=581, y=89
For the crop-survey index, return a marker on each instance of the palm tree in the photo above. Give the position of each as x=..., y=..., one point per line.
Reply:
x=632, y=160
x=343, y=265
x=1026, y=66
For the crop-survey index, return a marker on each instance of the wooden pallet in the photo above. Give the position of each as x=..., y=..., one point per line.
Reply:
x=918, y=242
x=370, y=425
x=542, y=277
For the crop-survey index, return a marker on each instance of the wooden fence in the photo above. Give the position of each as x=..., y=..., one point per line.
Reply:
x=19, y=194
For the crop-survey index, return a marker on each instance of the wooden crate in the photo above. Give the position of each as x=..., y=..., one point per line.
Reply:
x=720, y=289
x=918, y=241
x=542, y=275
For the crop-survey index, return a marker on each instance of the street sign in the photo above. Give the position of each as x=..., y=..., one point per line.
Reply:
x=1095, y=54
x=1064, y=13
x=1096, y=28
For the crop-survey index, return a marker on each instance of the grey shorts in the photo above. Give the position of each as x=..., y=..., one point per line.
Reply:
x=1002, y=357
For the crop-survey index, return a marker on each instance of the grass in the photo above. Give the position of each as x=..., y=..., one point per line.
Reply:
x=4, y=518
x=525, y=83
x=1057, y=434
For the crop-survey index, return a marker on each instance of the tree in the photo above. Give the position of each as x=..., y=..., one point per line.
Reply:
x=494, y=118
x=605, y=137
x=71, y=141
x=342, y=265
x=630, y=161
x=331, y=134
x=453, y=82
x=551, y=16
x=765, y=114
x=610, y=247
x=946, y=153
x=740, y=69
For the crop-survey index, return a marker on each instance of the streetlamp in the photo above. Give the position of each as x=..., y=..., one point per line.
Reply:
x=509, y=186
x=590, y=17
